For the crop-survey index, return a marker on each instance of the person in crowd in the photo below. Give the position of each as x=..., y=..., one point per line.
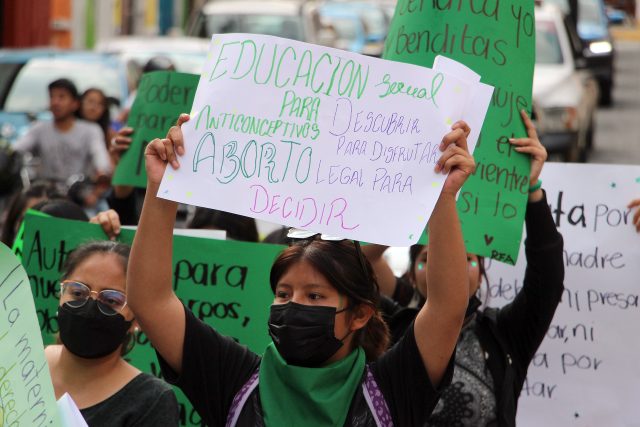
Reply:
x=238, y=227
x=124, y=199
x=67, y=146
x=496, y=345
x=23, y=200
x=328, y=364
x=635, y=204
x=96, y=331
x=94, y=107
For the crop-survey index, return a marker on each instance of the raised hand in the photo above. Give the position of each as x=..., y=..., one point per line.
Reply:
x=160, y=152
x=455, y=159
x=636, y=216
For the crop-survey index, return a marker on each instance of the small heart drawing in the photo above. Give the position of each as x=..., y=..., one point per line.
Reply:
x=488, y=239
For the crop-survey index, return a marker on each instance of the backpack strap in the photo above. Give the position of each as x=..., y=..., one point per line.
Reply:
x=240, y=399
x=375, y=400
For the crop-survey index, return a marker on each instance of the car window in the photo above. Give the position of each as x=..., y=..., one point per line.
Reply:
x=274, y=25
x=7, y=74
x=548, y=49
x=29, y=91
x=591, y=17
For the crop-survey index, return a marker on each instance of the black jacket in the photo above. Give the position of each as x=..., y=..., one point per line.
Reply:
x=511, y=335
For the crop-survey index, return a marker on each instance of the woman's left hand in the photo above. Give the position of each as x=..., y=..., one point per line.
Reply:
x=532, y=146
x=456, y=159
x=636, y=216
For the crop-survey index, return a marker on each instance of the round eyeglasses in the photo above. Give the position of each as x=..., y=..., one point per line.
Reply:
x=110, y=302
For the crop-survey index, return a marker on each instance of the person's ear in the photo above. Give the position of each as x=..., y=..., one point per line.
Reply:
x=361, y=315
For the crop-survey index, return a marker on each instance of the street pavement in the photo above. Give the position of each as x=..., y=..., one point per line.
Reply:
x=617, y=137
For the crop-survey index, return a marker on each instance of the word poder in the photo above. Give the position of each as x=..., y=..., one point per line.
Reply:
x=317, y=138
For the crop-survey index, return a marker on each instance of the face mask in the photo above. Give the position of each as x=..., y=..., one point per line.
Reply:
x=303, y=334
x=87, y=332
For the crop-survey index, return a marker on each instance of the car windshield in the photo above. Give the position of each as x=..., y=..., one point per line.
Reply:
x=287, y=26
x=548, y=49
x=591, y=18
x=29, y=92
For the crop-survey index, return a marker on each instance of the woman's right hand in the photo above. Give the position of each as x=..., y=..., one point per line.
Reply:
x=119, y=144
x=159, y=152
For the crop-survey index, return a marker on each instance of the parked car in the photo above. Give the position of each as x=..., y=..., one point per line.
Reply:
x=292, y=19
x=188, y=54
x=565, y=96
x=360, y=27
x=597, y=44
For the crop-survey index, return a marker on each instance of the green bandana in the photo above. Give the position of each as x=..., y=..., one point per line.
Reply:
x=295, y=396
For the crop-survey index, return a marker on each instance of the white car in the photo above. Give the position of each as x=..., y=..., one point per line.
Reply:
x=565, y=96
x=292, y=19
x=188, y=54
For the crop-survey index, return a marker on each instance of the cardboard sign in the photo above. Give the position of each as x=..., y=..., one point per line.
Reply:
x=26, y=391
x=161, y=97
x=586, y=371
x=317, y=138
x=224, y=283
x=496, y=40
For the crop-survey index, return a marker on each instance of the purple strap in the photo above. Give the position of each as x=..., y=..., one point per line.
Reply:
x=240, y=399
x=372, y=394
x=376, y=402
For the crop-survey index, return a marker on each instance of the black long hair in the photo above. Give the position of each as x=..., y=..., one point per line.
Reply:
x=105, y=120
x=340, y=264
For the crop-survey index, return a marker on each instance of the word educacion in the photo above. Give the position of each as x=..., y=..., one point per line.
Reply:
x=274, y=65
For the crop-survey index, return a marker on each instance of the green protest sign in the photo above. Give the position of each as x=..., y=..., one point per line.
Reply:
x=26, y=391
x=497, y=40
x=161, y=97
x=224, y=283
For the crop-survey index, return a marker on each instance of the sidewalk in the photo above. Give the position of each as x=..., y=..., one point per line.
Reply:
x=626, y=33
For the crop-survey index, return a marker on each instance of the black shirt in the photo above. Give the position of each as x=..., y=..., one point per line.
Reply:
x=214, y=368
x=144, y=401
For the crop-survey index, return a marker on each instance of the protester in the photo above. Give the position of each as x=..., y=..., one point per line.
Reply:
x=328, y=365
x=94, y=107
x=636, y=216
x=238, y=227
x=23, y=200
x=95, y=333
x=67, y=146
x=496, y=345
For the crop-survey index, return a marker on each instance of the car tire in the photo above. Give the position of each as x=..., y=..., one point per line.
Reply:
x=606, y=95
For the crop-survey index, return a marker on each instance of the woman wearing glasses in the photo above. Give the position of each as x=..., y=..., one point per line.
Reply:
x=328, y=364
x=96, y=330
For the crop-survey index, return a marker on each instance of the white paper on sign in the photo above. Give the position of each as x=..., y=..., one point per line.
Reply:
x=70, y=415
x=316, y=138
x=479, y=97
x=586, y=371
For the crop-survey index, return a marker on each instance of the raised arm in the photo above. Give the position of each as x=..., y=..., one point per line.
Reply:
x=438, y=323
x=149, y=288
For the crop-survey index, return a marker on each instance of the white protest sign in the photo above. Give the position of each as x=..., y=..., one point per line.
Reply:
x=317, y=138
x=586, y=373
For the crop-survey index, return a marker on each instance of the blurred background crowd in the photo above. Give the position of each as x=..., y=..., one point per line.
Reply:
x=585, y=90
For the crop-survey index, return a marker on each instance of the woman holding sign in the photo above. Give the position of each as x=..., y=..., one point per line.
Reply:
x=497, y=345
x=328, y=365
x=96, y=330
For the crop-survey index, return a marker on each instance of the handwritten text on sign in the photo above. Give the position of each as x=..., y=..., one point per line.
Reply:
x=26, y=392
x=316, y=138
x=585, y=373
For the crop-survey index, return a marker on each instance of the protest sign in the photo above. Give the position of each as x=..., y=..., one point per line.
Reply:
x=224, y=283
x=586, y=371
x=317, y=138
x=161, y=97
x=26, y=391
x=496, y=40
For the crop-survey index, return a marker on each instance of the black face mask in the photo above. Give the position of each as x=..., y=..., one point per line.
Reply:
x=303, y=334
x=87, y=332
